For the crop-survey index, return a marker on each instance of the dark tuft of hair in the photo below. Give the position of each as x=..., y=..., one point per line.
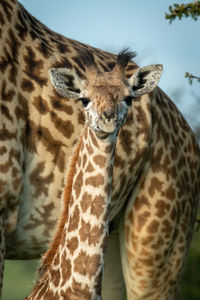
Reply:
x=87, y=57
x=124, y=57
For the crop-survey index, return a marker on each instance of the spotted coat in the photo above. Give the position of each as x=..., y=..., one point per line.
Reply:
x=156, y=169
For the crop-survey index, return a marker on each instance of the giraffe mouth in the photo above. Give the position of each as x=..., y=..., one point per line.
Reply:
x=101, y=134
x=107, y=126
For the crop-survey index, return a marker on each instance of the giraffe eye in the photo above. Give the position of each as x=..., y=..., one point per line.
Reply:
x=128, y=100
x=85, y=101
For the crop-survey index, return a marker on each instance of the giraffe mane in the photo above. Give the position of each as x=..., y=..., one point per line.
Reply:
x=123, y=58
x=87, y=57
x=50, y=254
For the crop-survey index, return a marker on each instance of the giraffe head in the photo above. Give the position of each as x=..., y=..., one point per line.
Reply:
x=106, y=96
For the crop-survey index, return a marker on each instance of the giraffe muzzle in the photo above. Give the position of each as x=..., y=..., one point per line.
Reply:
x=106, y=125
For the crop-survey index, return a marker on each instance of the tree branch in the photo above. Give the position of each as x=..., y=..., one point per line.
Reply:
x=190, y=77
x=184, y=10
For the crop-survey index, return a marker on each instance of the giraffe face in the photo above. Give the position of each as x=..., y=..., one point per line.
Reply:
x=106, y=96
x=106, y=101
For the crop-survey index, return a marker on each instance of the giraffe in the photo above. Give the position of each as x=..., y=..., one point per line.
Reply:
x=156, y=173
x=72, y=267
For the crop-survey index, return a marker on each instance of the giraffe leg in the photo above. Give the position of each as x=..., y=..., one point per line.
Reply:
x=154, y=239
x=113, y=287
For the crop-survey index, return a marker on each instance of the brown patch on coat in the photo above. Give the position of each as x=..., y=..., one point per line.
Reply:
x=95, y=234
x=55, y=277
x=84, y=231
x=40, y=183
x=6, y=94
x=142, y=219
x=63, y=126
x=166, y=228
x=89, y=168
x=27, y=85
x=170, y=192
x=66, y=268
x=100, y=160
x=109, y=148
x=140, y=202
x=153, y=227
x=162, y=208
x=72, y=245
x=86, y=201
x=87, y=265
x=125, y=137
x=33, y=67
x=3, y=150
x=97, y=207
x=95, y=181
x=74, y=219
x=156, y=186
x=41, y=105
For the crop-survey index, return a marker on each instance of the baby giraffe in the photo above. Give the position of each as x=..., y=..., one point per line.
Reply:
x=73, y=266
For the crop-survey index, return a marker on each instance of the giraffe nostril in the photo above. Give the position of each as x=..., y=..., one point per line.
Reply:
x=109, y=115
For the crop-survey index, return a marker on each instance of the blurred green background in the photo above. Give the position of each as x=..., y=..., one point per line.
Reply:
x=20, y=275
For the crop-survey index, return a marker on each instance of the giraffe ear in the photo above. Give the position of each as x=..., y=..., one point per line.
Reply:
x=145, y=79
x=66, y=82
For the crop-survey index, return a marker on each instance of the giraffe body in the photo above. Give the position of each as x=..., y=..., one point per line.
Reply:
x=156, y=178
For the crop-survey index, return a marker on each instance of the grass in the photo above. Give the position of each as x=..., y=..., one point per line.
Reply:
x=191, y=277
x=18, y=279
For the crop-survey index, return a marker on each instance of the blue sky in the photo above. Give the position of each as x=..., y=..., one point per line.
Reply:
x=139, y=24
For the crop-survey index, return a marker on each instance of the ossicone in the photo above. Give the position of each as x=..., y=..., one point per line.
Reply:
x=124, y=57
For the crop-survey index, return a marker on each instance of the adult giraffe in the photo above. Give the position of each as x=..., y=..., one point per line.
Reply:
x=156, y=171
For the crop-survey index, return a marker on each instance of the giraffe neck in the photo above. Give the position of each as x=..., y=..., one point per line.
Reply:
x=87, y=224
x=82, y=237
